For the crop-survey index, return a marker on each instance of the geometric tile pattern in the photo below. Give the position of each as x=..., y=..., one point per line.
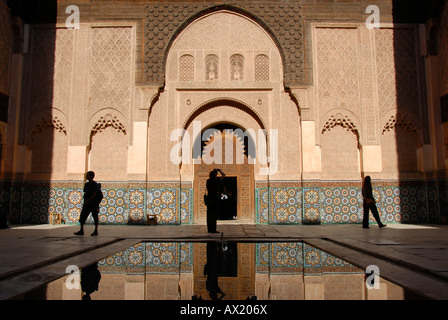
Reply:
x=261, y=206
x=186, y=205
x=137, y=203
x=317, y=262
x=164, y=204
x=112, y=208
x=298, y=258
x=402, y=204
x=121, y=205
x=311, y=205
x=278, y=205
x=286, y=205
x=336, y=204
x=150, y=257
x=324, y=203
x=177, y=257
x=341, y=205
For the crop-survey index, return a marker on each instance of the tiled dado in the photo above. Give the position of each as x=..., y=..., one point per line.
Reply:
x=307, y=202
x=150, y=257
x=177, y=257
x=278, y=203
x=341, y=202
x=123, y=203
x=298, y=258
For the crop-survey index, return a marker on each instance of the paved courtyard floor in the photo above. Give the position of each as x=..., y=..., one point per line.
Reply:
x=412, y=256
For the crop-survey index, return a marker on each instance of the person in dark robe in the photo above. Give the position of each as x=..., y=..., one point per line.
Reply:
x=369, y=204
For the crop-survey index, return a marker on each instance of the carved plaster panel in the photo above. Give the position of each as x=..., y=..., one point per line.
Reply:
x=283, y=22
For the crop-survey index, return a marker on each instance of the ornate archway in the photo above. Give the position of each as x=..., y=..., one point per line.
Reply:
x=231, y=149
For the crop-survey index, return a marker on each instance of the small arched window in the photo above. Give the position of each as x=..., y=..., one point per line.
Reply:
x=211, y=67
x=186, y=68
x=237, y=67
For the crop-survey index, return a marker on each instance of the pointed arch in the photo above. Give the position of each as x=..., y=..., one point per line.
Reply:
x=224, y=7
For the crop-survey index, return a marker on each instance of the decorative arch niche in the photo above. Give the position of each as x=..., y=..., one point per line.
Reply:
x=108, y=148
x=340, y=143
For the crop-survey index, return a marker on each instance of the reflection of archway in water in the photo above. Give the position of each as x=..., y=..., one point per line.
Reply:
x=236, y=276
x=237, y=149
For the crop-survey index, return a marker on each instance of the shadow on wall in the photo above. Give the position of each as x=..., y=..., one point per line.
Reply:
x=29, y=201
x=42, y=130
x=416, y=199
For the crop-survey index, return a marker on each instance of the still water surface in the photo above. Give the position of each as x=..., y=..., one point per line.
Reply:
x=222, y=270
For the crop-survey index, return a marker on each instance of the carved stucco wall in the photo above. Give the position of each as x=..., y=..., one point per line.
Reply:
x=48, y=95
x=398, y=80
x=51, y=66
x=5, y=47
x=443, y=58
x=338, y=97
x=110, y=94
x=340, y=87
x=443, y=50
x=226, y=34
x=283, y=21
x=368, y=94
x=337, y=63
x=89, y=90
x=110, y=69
x=401, y=111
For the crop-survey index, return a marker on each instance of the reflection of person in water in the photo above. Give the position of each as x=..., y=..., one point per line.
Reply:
x=211, y=271
x=90, y=279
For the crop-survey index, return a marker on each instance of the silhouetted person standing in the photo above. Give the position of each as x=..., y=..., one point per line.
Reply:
x=369, y=204
x=213, y=199
x=91, y=204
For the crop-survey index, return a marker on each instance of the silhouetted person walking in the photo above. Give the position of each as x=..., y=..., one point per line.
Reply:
x=369, y=204
x=213, y=199
x=92, y=199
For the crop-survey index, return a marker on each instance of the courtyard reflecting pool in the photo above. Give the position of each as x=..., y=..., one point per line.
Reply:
x=221, y=270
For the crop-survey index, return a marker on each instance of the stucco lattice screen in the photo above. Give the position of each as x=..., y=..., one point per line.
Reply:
x=261, y=68
x=5, y=48
x=186, y=68
x=283, y=21
x=109, y=70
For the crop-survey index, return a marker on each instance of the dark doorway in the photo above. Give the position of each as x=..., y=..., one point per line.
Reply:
x=228, y=259
x=228, y=206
